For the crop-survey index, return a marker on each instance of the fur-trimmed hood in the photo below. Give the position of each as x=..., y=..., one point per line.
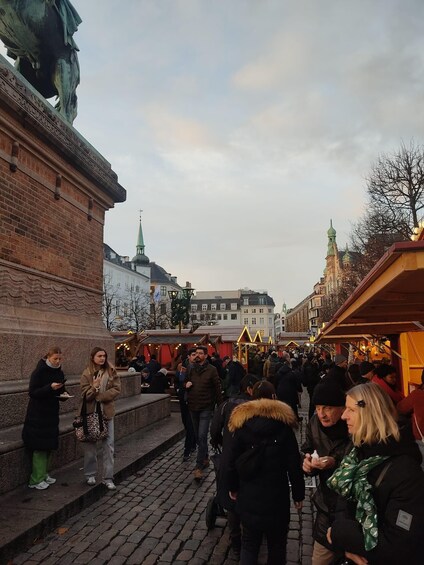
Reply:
x=262, y=408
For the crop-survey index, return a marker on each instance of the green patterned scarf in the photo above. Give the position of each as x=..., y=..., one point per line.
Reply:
x=350, y=481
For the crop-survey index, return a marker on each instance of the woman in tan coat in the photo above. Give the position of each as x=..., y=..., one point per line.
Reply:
x=100, y=383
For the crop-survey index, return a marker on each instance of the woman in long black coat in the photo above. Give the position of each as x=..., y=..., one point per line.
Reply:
x=41, y=428
x=261, y=485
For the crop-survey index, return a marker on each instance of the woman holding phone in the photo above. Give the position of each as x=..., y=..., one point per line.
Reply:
x=41, y=428
x=100, y=383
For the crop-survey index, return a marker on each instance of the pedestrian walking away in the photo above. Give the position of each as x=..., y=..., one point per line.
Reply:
x=264, y=456
x=40, y=433
x=100, y=383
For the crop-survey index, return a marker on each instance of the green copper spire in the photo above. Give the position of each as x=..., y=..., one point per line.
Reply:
x=140, y=258
x=331, y=239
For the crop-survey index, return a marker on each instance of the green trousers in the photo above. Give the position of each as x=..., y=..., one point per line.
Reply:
x=40, y=464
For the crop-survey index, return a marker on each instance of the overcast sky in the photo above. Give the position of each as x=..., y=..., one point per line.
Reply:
x=241, y=127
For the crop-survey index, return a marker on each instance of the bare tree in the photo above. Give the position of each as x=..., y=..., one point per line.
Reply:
x=395, y=187
x=395, y=190
x=109, y=303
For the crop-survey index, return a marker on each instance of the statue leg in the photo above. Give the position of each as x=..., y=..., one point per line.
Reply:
x=66, y=78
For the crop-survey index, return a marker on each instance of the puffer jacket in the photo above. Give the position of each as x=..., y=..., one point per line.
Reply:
x=265, y=499
x=107, y=398
x=399, y=499
x=205, y=391
x=41, y=427
x=334, y=442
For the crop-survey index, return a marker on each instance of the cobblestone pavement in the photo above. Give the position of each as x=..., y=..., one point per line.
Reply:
x=156, y=516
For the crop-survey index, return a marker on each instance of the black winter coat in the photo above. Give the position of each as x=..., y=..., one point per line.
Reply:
x=400, y=507
x=41, y=427
x=264, y=500
x=288, y=387
x=222, y=437
x=334, y=442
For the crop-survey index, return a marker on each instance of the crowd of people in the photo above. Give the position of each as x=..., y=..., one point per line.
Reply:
x=364, y=444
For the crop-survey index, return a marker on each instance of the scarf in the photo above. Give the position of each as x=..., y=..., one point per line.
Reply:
x=350, y=481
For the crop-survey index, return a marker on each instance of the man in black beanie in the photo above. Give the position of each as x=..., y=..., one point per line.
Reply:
x=367, y=371
x=327, y=442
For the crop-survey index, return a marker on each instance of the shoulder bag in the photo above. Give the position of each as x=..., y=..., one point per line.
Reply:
x=90, y=427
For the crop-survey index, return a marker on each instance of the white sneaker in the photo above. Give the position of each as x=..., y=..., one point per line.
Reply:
x=91, y=481
x=109, y=484
x=49, y=480
x=40, y=486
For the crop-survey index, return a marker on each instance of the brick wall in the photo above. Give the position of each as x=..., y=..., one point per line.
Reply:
x=38, y=231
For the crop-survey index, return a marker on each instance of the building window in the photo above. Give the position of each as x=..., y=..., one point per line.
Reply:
x=118, y=285
x=233, y=305
x=213, y=306
x=253, y=310
x=253, y=321
x=219, y=316
x=202, y=316
x=194, y=316
x=261, y=321
x=246, y=301
x=163, y=290
x=269, y=310
x=194, y=307
x=222, y=306
x=262, y=300
x=261, y=310
x=163, y=309
x=225, y=316
x=137, y=288
x=245, y=310
x=262, y=332
x=270, y=321
x=246, y=321
x=204, y=307
x=234, y=316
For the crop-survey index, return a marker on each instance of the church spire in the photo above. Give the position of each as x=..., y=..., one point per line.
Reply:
x=140, y=258
x=331, y=240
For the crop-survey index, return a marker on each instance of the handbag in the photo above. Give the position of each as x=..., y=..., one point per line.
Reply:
x=90, y=427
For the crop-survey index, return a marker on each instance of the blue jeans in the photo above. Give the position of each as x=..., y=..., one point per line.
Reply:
x=201, y=420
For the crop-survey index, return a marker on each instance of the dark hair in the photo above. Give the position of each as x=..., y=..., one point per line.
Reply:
x=263, y=389
x=382, y=371
x=153, y=356
x=191, y=351
x=354, y=372
x=248, y=381
x=391, y=369
x=202, y=348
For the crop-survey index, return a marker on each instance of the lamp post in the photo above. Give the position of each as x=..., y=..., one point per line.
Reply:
x=180, y=306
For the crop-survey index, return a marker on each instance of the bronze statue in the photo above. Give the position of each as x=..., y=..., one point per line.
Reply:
x=38, y=34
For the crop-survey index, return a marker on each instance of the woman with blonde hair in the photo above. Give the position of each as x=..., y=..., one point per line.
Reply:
x=382, y=484
x=100, y=383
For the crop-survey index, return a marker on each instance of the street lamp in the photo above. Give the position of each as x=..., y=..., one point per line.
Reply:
x=180, y=306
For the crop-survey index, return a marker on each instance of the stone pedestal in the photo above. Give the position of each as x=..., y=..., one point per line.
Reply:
x=54, y=191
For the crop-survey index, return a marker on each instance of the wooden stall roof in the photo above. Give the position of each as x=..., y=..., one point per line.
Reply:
x=235, y=334
x=389, y=300
x=172, y=338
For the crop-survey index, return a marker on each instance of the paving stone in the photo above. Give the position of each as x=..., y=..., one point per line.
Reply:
x=146, y=524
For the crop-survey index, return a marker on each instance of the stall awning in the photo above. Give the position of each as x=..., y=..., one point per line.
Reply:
x=173, y=339
x=389, y=300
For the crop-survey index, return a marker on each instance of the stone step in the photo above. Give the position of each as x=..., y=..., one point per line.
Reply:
x=132, y=414
x=14, y=397
x=28, y=515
